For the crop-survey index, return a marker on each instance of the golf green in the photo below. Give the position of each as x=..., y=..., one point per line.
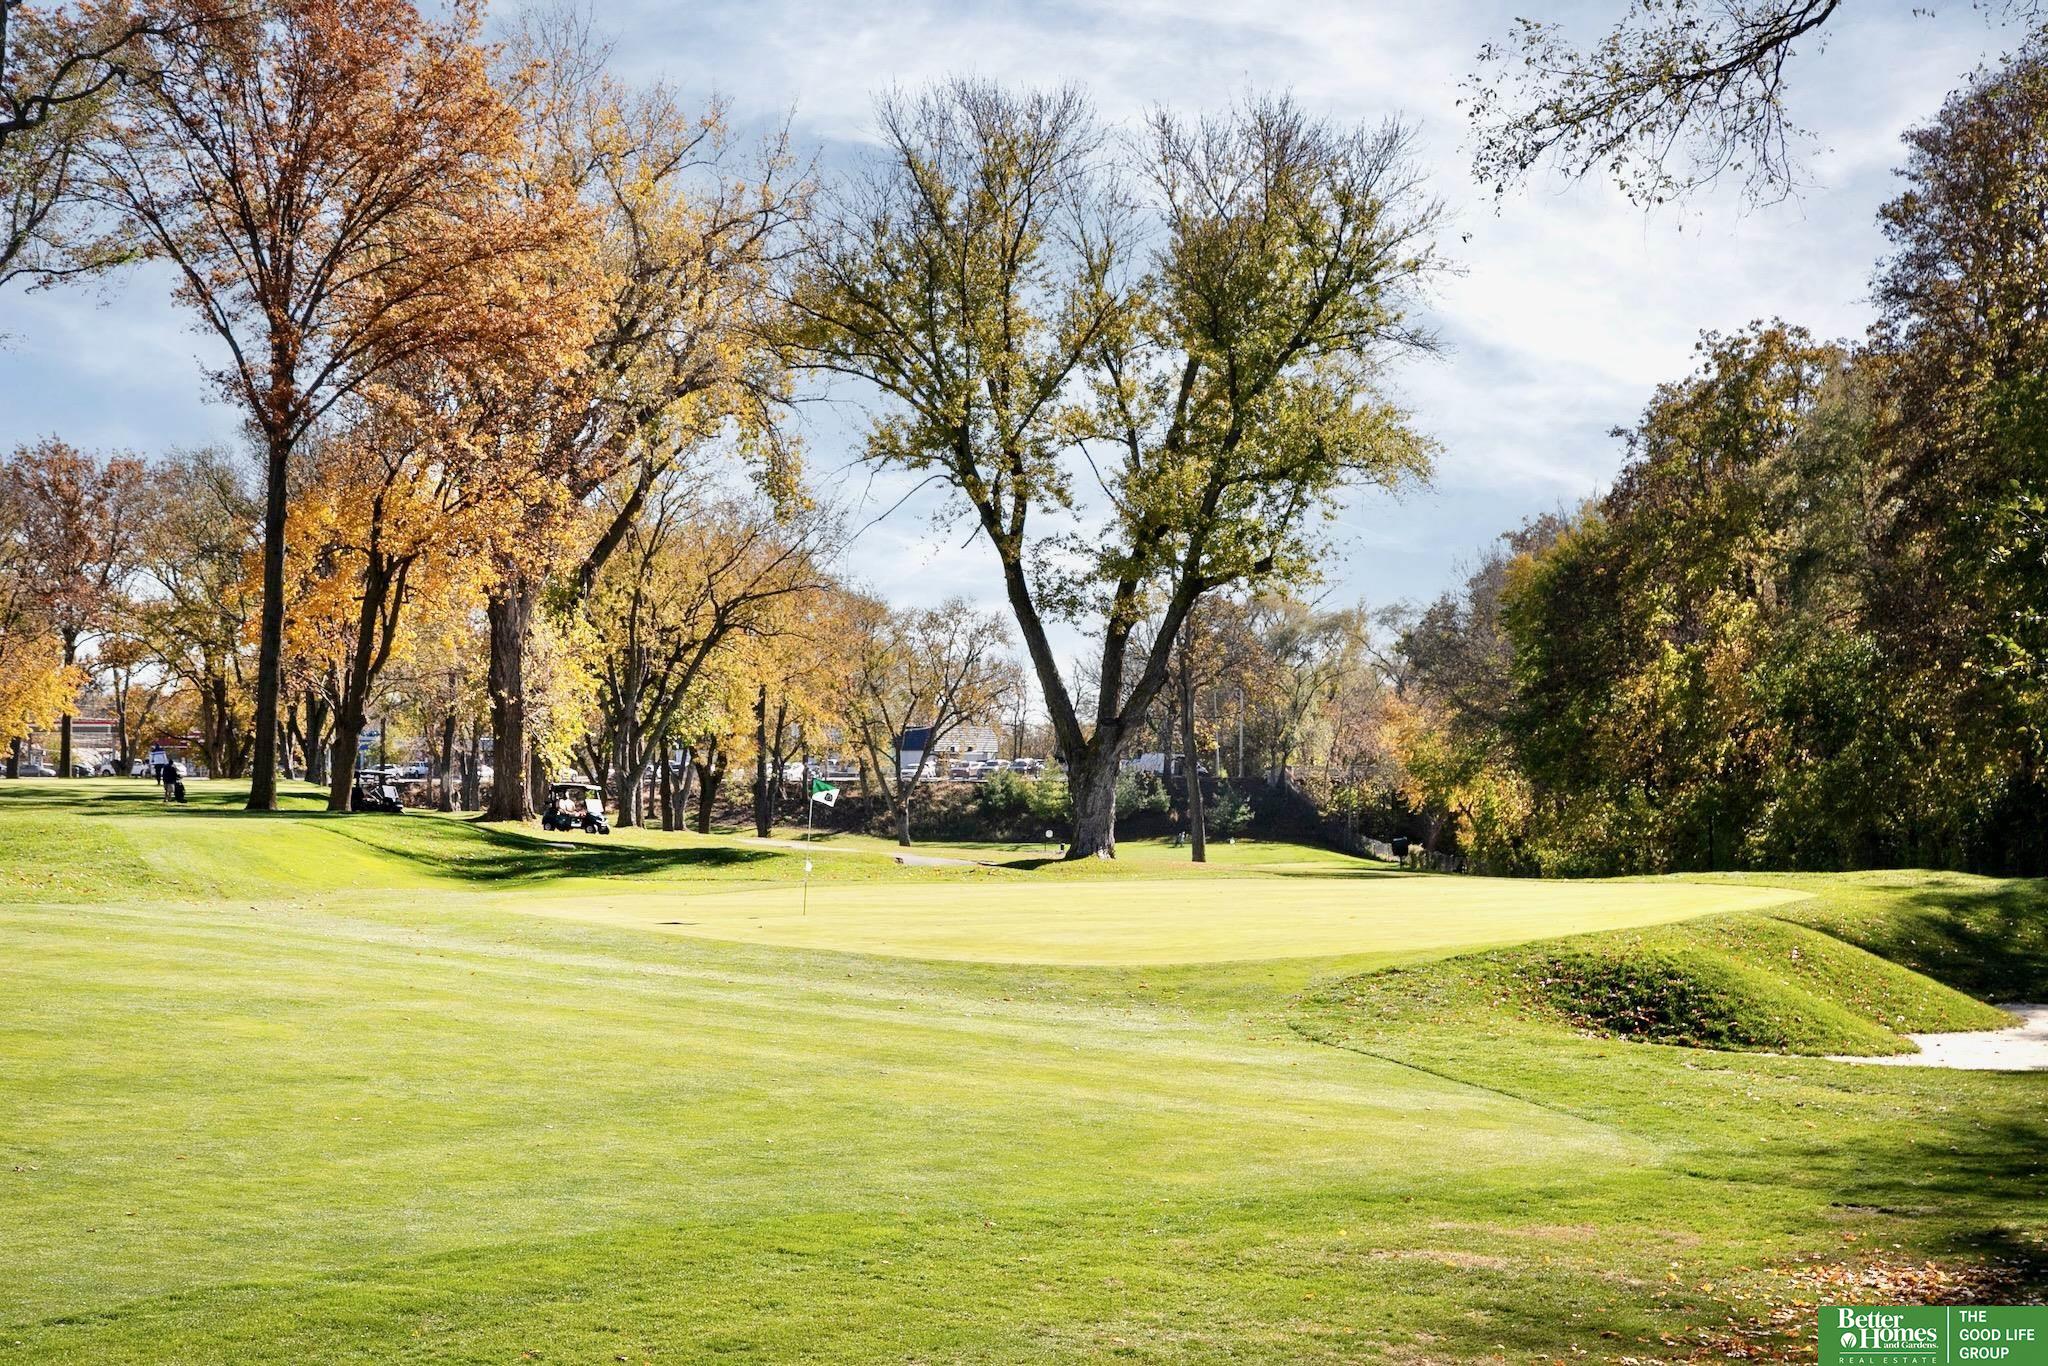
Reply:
x=1154, y=921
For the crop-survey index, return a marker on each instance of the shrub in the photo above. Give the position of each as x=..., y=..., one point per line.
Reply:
x=1049, y=802
x=1232, y=814
x=1003, y=796
x=1138, y=794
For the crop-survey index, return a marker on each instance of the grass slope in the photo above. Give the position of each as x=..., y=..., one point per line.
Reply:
x=1738, y=982
x=306, y=1088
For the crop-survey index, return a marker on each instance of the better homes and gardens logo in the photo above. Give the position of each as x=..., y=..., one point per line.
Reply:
x=1890, y=1335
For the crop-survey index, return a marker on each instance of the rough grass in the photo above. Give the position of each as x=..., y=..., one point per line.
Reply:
x=317, y=1089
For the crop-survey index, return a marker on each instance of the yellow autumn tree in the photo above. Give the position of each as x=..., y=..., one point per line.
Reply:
x=678, y=365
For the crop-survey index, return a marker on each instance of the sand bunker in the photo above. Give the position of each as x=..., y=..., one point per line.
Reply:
x=2022, y=1047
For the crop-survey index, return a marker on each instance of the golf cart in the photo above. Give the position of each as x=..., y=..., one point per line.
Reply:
x=376, y=790
x=574, y=806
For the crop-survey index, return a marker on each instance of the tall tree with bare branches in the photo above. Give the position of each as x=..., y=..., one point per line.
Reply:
x=59, y=65
x=935, y=669
x=1674, y=97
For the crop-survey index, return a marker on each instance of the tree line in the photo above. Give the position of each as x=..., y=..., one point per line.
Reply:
x=1808, y=625
x=515, y=343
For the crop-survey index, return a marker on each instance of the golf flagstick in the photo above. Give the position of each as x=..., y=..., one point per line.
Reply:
x=815, y=790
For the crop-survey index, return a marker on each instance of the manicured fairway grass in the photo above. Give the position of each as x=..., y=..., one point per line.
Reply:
x=300, y=1088
x=1144, y=920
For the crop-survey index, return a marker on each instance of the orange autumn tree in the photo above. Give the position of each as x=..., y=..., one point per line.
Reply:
x=334, y=182
x=78, y=516
x=35, y=682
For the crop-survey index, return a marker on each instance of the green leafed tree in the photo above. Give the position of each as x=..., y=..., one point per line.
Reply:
x=1145, y=367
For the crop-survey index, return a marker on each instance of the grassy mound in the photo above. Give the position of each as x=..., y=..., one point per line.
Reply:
x=1742, y=983
x=1696, y=997
x=1746, y=983
x=1986, y=936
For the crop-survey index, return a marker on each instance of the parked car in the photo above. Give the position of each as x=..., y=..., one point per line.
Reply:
x=31, y=768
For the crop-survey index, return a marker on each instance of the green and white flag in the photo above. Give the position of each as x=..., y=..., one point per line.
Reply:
x=822, y=791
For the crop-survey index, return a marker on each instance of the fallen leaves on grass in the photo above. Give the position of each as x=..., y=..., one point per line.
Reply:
x=1783, y=1327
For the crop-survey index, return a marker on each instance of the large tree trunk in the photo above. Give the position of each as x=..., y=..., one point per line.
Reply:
x=1168, y=737
x=216, y=727
x=270, y=634
x=317, y=711
x=666, y=784
x=631, y=810
x=64, y=721
x=509, y=608
x=472, y=769
x=627, y=764
x=447, y=802
x=779, y=756
x=1091, y=778
x=710, y=773
x=342, y=770
x=14, y=757
x=763, y=811
x=1197, y=826
x=351, y=715
x=120, y=728
x=689, y=768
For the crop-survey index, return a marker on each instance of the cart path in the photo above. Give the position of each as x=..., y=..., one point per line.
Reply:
x=2019, y=1047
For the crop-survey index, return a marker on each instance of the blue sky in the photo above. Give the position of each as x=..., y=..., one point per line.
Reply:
x=1571, y=306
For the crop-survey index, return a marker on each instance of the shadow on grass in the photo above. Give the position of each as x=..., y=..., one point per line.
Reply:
x=469, y=850
x=1986, y=1180
x=462, y=849
x=1987, y=939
